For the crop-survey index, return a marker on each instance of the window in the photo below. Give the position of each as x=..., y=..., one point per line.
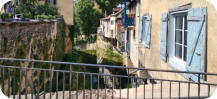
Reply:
x=180, y=45
x=112, y=33
x=112, y=22
x=183, y=39
x=145, y=30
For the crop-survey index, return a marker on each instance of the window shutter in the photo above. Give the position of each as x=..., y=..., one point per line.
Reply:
x=138, y=8
x=196, y=41
x=140, y=29
x=147, y=31
x=163, y=43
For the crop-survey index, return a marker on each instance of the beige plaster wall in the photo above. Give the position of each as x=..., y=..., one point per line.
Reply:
x=134, y=37
x=150, y=58
x=112, y=27
x=66, y=8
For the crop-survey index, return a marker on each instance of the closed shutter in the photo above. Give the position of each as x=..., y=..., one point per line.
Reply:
x=163, y=42
x=140, y=29
x=146, y=30
x=196, y=41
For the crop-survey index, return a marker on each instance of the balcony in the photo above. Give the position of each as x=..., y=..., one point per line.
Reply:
x=47, y=81
x=129, y=21
x=129, y=13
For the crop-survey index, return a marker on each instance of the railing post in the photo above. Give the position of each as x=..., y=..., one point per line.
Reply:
x=57, y=85
x=84, y=86
x=20, y=77
x=144, y=87
x=120, y=88
x=77, y=77
x=199, y=86
x=44, y=84
x=128, y=84
x=161, y=95
x=25, y=89
x=50, y=86
x=170, y=90
x=70, y=82
x=3, y=79
x=189, y=91
x=14, y=79
x=32, y=85
x=8, y=82
x=208, y=90
x=63, y=85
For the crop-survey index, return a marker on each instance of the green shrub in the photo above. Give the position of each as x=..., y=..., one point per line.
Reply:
x=6, y=15
x=27, y=15
x=47, y=9
x=30, y=9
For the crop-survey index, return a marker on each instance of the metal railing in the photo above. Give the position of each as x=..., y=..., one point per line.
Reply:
x=36, y=79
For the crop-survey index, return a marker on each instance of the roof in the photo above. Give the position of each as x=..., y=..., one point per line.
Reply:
x=116, y=9
x=121, y=10
x=106, y=18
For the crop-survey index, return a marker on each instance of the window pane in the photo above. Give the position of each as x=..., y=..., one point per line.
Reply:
x=179, y=22
x=185, y=53
x=186, y=25
x=185, y=38
x=178, y=37
x=178, y=51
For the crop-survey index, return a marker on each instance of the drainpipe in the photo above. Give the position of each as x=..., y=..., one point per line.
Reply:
x=125, y=13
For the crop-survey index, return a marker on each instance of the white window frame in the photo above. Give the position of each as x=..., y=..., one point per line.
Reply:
x=174, y=61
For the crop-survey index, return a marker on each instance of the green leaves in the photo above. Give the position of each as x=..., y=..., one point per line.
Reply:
x=86, y=17
x=107, y=5
x=30, y=10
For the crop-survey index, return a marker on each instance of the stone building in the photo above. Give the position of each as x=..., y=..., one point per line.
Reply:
x=65, y=8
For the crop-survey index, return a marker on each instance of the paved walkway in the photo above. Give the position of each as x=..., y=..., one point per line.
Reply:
x=139, y=94
x=166, y=91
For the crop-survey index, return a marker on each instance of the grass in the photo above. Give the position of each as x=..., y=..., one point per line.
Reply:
x=113, y=58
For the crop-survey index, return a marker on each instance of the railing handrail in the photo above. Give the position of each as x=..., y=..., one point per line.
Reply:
x=106, y=66
x=99, y=74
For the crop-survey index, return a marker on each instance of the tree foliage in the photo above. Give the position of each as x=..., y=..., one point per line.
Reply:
x=107, y=5
x=86, y=17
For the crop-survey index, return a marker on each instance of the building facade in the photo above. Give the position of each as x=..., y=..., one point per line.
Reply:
x=111, y=27
x=66, y=9
x=174, y=35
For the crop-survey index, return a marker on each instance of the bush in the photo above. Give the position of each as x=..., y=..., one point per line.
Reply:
x=47, y=9
x=27, y=15
x=28, y=9
x=31, y=10
x=6, y=15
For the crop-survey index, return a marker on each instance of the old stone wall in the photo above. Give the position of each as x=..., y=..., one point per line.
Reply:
x=35, y=40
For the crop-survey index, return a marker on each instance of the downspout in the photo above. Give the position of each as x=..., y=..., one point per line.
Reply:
x=125, y=14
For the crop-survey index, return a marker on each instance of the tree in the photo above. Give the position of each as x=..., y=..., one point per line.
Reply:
x=107, y=5
x=86, y=17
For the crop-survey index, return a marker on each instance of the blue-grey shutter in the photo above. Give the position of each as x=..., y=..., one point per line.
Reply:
x=147, y=31
x=196, y=41
x=163, y=42
x=140, y=29
x=138, y=8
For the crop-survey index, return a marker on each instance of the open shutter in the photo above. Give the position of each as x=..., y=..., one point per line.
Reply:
x=196, y=41
x=163, y=42
x=147, y=30
x=138, y=8
x=140, y=29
